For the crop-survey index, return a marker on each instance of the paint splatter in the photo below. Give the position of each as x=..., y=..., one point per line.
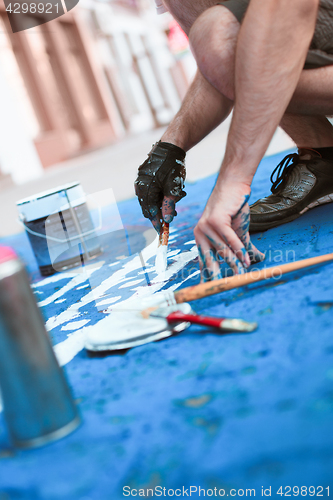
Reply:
x=195, y=401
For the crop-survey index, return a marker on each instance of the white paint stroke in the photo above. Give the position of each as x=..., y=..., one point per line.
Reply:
x=114, y=280
x=74, y=343
x=113, y=264
x=179, y=263
x=67, y=315
x=142, y=296
x=109, y=301
x=52, y=279
x=77, y=280
x=66, y=350
x=70, y=347
x=172, y=253
x=131, y=283
x=195, y=273
x=75, y=325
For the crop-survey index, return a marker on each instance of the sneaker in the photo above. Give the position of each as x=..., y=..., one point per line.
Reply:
x=303, y=181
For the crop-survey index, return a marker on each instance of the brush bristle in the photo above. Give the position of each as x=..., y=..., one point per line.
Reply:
x=161, y=261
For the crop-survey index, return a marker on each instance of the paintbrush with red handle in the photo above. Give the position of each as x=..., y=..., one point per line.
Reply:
x=223, y=324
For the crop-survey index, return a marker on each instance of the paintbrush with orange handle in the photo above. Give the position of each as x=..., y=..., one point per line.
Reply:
x=224, y=284
x=168, y=297
x=175, y=301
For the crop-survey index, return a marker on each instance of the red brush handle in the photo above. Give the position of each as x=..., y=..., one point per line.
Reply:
x=196, y=319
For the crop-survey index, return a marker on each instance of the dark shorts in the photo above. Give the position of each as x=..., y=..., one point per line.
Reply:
x=321, y=49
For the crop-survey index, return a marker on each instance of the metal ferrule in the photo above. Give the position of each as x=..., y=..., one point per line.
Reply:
x=238, y=325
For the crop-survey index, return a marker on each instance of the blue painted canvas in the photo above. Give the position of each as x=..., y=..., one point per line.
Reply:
x=224, y=413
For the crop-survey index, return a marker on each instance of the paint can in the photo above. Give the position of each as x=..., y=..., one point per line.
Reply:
x=60, y=228
x=37, y=402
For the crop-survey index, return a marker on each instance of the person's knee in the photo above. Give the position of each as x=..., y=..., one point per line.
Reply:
x=213, y=39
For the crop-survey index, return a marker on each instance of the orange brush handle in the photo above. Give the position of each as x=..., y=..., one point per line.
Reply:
x=164, y=234
x=222, y=285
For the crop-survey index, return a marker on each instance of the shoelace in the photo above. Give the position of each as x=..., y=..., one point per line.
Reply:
x=282, y=170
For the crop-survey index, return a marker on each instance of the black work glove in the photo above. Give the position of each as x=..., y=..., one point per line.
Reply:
x=160, y=182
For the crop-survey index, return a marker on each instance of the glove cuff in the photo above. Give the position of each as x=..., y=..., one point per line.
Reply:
x=179, y=152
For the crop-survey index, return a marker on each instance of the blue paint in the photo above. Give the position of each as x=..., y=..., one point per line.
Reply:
x=245, y=201
x=128, y=242
x=268, y=421
x=144, y=269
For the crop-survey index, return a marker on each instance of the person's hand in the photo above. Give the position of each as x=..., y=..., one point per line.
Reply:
x=222, y=233
x=160, y=182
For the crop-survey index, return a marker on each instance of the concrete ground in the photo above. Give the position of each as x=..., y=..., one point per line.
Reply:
x=116, y=167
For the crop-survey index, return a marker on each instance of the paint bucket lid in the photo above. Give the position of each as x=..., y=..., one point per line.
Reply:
x=6, y=253
x=52, y=201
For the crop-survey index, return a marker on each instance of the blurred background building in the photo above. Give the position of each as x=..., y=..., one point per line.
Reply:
x=92, y=77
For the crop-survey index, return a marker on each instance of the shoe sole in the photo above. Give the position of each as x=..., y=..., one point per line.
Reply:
x=263, y=226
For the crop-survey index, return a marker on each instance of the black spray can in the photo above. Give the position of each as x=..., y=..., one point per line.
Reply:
x=37, y=402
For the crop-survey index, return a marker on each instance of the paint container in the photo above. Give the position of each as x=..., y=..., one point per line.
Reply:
x=59, y=227
x=37, y=402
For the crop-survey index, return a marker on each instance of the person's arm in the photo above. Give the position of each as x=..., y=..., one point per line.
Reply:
x=202, y=109
x=271, y=50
